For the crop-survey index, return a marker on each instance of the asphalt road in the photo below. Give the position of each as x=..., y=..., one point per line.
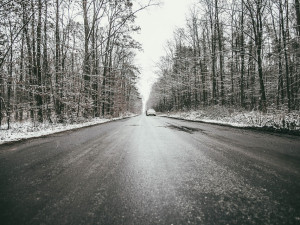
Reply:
x=152, y=170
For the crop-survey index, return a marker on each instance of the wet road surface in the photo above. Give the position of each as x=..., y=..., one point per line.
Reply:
x=152, y=170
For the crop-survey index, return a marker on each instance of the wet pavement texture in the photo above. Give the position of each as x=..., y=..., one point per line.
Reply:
x=152, y=170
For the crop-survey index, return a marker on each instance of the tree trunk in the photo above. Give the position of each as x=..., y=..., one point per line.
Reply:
x=86, y=63
x=213, y=58
x=57, y=65
x=297, y=9
x=220, y=46
x=38, y=60
x=10, y=77
x=242, y=57
x=29, y=57
x=287, y=72
x=258, y=34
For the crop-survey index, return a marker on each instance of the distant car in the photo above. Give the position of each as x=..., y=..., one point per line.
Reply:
x=150, y=112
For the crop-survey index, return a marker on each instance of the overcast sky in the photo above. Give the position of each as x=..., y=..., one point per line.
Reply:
x=157, y=26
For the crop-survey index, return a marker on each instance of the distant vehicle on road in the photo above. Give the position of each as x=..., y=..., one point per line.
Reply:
x=150, y=112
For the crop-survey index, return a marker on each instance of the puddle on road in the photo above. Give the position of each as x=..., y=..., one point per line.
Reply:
x=186, y=129
x=189, y=130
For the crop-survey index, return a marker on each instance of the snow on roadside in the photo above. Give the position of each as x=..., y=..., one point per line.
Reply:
x=276, y=120
x=25, y=130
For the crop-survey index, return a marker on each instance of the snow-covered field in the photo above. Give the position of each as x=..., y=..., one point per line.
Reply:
x=25, y=130
x=277, y=120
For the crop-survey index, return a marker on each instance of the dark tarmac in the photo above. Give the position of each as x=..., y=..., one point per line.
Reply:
x=152, y=170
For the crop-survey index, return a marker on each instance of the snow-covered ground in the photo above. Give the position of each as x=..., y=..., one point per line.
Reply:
x=277, y=120
x=25, y=130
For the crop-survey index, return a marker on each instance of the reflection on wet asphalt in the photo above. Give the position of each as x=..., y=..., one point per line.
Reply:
x=152, y=170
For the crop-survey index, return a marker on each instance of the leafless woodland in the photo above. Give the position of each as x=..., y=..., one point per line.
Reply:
x=237, y=54
x=62, y=60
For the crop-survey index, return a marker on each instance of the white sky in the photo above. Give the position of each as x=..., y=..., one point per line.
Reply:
x=157, y=26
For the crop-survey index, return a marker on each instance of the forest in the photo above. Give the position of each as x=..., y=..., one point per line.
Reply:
x=63, y=60
x=234, y=54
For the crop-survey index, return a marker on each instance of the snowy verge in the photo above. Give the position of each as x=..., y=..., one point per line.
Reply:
x=26, y=130
x=273, y=120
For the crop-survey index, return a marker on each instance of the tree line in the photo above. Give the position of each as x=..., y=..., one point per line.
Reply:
x=61, y=60
x=242, y=53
